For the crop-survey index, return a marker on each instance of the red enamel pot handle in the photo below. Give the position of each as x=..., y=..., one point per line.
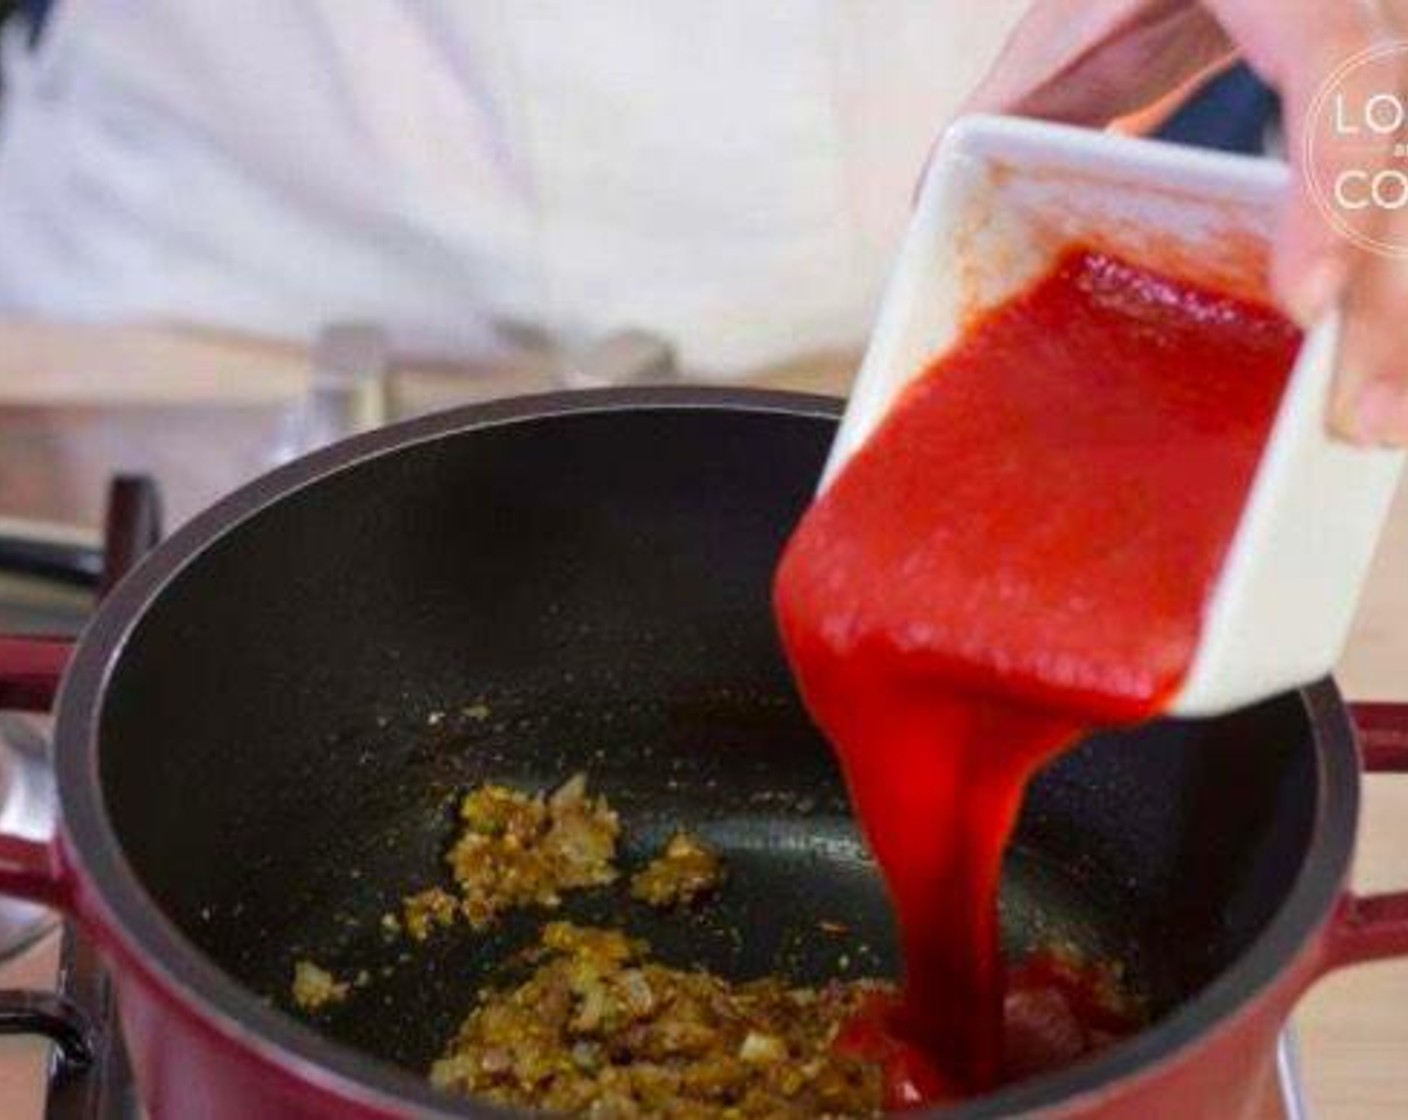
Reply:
x=1371, y=927
x=30, y=671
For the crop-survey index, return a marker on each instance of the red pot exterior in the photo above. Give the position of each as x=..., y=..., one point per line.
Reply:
x=188, y=1068
x=187, y=1071
x=1230, y=1072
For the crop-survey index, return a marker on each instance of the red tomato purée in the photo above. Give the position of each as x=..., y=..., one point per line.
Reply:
x=1022, y=551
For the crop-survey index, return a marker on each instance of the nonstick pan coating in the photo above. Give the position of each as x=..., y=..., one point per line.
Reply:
x=797, y=869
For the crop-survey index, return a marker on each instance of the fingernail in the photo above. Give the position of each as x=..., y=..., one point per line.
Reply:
x=1316, y=291
x=1380, y=413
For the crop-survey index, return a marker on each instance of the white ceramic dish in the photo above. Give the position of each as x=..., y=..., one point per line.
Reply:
x=1001, y=198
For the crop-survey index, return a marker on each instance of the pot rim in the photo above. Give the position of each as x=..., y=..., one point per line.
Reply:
x=110, y=896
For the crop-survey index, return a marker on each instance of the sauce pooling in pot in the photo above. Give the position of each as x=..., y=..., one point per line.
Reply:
x=1022, y=551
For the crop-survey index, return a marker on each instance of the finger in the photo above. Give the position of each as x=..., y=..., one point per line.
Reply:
x=1313, y=258
x=1091, y=63
x=1102, y=60
x=1326, y=254
x=1370, y=401
x=1371, y=392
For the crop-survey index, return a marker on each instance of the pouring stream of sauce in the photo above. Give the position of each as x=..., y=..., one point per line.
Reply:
x=1024, y=550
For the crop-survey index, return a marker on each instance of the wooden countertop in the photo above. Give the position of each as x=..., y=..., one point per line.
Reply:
x=1353, y=1027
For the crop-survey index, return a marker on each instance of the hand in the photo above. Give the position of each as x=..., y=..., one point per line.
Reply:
x=1091, y=62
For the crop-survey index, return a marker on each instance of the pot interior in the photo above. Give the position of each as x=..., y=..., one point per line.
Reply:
x=289, y=723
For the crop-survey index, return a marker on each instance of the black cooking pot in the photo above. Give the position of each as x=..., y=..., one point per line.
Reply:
x=261, y=736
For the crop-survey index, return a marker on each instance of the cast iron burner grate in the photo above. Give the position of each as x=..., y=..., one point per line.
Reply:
x=103, y=1090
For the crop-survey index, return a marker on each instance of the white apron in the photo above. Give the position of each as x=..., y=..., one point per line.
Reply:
x=732, y=174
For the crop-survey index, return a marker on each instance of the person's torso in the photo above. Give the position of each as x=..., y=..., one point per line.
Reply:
x=730, y=175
